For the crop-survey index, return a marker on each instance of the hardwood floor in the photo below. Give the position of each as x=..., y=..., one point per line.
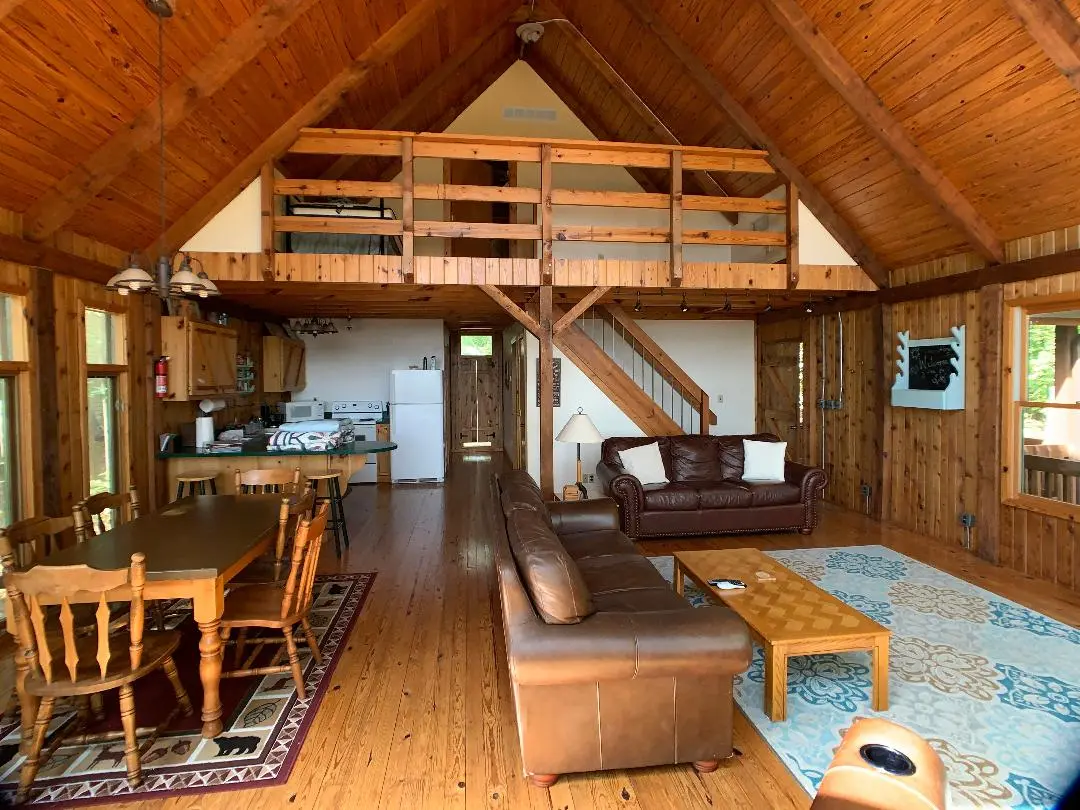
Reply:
x=419, y=714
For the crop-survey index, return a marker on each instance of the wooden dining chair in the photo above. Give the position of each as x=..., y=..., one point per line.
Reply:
x=106, y=510
x=35, y=538
x=273, y=567
x=279, y=606
x=268, y=482
x=90, y=516
x=62, y=663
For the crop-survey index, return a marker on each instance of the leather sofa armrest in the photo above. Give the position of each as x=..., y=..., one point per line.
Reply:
x=810, y=480
x=595, y=514
x=627, y=492
x=623, y=646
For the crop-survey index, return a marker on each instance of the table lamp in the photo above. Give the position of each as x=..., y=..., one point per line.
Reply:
x=579, y=430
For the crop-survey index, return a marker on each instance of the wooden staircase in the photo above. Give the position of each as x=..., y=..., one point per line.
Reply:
x=634, y=372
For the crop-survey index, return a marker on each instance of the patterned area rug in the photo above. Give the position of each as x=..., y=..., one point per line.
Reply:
x=994, y=687
x=265, y=722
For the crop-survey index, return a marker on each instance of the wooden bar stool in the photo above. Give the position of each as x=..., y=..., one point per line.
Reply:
x=337, y=508
x=191, y=481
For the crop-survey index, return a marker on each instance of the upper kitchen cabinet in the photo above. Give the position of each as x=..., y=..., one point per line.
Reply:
x=202, y=358
x=284, y=365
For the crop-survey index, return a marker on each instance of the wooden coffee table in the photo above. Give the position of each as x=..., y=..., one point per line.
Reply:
x=788, y=616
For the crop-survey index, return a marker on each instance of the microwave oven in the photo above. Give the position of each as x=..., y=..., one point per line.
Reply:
x=303, y=411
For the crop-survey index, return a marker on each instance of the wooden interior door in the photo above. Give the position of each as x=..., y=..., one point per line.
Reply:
x=476, y=395
x=519, y=386
x=782, y=395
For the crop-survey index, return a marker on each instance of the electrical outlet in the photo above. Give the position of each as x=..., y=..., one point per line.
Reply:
x=590, y=478
x=866, y=490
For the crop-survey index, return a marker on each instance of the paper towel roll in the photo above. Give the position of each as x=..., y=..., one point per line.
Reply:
x=211, y=405
x=204, y=431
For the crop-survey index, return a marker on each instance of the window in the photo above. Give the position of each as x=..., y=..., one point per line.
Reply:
x=9, y=466
x=106, y=357
x=1043, y=418
x=476, y=345
x=7, y=327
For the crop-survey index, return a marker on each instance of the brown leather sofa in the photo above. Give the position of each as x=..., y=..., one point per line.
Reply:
x=610, y=668
x=706, y=493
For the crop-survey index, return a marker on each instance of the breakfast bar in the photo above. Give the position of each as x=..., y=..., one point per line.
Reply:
x=348, y=458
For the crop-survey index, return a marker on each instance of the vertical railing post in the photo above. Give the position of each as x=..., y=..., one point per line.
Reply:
x=792, y=236
x=676, y=206
x=547, y=261
x=408, y=218
x=266, y=182
x=703, y=405
x=546, y=381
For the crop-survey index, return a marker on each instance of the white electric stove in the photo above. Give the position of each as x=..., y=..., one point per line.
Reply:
x=365, y=414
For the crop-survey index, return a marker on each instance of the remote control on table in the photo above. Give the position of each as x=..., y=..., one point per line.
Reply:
x=727, y=584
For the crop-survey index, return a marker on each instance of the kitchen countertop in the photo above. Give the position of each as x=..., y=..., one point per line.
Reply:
x=257, y=447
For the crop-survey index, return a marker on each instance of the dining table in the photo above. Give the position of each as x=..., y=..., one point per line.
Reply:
x=193, y=548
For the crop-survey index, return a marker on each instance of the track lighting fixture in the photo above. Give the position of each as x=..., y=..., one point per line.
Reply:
x=809, y=308
x=637, y=302
x=768, y=303
x=684, y=307
x=727, y=303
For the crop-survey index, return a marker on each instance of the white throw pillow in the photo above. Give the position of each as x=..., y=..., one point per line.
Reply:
x=644, y=463
x=763, y=461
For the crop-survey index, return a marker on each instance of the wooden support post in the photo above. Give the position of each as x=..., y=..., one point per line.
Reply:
x=266, y=182
x=792, y=236
x=547, y=396
x=448, y=205
x=45, y=381
x=408, y=218
x=703, y=408
x=547, y=262
x=988, y=423
x=873, y=440
x=676, y=219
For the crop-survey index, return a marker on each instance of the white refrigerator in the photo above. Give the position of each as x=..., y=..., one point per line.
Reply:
x=416, y=426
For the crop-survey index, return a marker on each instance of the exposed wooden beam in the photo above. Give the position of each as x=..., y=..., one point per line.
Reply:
x=181, y=98
x=268, y=203
x=792, y=227
x=8, y=6
x=547, y=256
x=822, y=209
x=34, y=254
x=622, y=89
x=988, y=419
x=420, y=97
x=512, y=309
x=382, y=49
x=1053, y=26
x=675, y=219
x=547, y=397
x=869, y=108
x=587, y=116
x=576, y=311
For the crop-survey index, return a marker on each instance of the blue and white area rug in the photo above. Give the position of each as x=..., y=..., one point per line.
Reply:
x=992, y=686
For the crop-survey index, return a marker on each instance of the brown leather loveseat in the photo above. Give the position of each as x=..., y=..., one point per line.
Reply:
x=706, y=493
x=610, y=668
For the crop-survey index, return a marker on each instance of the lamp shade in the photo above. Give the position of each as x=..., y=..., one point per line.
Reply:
x=132, y=279
x=580, y=430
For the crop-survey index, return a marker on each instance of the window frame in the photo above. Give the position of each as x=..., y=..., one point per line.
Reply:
x=120, y=373
x=20, y=370
x=1014, y=393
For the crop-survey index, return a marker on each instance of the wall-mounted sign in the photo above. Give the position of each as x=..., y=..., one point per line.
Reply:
x=931, y=372
x=556, y=384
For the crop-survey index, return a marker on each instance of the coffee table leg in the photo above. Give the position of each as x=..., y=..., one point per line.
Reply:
x=880, y=694
x=678, y=577
x=775, y=683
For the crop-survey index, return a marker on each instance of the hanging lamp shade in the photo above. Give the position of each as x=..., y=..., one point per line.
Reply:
x=209, y=288
x=132, y=279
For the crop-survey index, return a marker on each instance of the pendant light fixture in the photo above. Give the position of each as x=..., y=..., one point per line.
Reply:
x=637, y=302
x=134, y=278
x=684, y=307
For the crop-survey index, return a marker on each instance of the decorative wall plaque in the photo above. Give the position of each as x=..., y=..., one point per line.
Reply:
x=556, y=383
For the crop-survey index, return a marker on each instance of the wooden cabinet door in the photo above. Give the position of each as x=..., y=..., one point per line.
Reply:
x=212, y=353
x=293, y=365
x=382, y=460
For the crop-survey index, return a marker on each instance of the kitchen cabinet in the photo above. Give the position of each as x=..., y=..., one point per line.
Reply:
x=284, y=365
x=382, y=460
x=202, y=358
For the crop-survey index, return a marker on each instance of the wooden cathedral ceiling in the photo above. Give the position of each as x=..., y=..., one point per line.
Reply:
x=927, y=128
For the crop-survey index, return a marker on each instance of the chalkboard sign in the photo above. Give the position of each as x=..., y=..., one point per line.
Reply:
x=931, y=367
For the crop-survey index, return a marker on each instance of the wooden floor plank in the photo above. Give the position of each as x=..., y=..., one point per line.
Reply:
x=420, y=711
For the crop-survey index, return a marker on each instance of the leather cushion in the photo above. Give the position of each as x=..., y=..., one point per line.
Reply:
x=551, y=577
x=730, y=453
x=670, y=497
x=724, y=496
x=694, y=458
x=519, y=491
x=772, y=493
x=582, y=545
x=620, y=572
x=639, y=600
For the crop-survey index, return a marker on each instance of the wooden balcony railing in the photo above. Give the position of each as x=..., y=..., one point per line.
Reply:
x=407, y=147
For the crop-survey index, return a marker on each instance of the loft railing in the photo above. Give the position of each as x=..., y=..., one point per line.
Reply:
x=542, y=227
x=651, y=369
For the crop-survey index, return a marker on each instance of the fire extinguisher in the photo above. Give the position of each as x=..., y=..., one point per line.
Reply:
x=161, y=377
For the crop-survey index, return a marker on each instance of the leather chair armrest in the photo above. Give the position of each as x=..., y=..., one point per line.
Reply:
x=595, y=514
x=623, y=646
x=810, y=480
x=627, y=492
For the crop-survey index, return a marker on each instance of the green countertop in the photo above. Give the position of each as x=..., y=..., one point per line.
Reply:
x=257, y=447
